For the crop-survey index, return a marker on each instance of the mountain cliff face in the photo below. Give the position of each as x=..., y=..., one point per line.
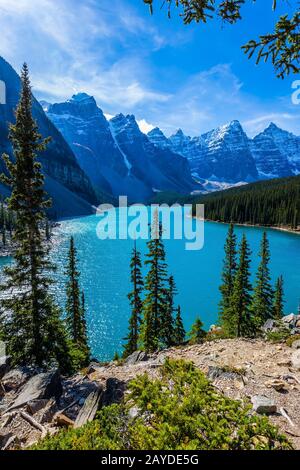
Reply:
x=277, y=152
x=85, y=128
x=59, y=162
x=116, y=155
x=159, y=167
x=227, y=155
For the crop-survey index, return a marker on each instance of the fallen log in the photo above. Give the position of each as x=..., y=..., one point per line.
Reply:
x=89, y=409
x=33, y=422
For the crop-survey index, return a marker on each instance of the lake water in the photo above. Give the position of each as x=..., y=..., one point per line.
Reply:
x=104, y=267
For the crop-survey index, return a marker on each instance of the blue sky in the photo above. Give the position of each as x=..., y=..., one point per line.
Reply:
x=167, y=74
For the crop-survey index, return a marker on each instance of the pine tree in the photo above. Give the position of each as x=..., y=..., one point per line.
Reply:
x=4, y=235
x=83, y=335
x=167, y=321
x=3, y=223
x=241, y=322
x=136, y=303
x=154, y=303
x=263, y=298
x=278, y=299
x=179, y=331
x=197, y=333
x=229, y=270
x=75, y=309
x=47, y=230
x=33, y=330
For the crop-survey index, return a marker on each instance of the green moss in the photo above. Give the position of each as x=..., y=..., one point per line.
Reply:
x=179, y=411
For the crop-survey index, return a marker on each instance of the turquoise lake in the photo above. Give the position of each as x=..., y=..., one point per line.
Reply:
x=104, y=267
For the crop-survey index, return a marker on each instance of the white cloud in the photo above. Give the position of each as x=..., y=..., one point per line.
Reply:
x=145, y=126
x=104, y=47
x=72, y=47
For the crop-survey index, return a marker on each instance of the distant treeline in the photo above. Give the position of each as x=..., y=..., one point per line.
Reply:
x=269, y=203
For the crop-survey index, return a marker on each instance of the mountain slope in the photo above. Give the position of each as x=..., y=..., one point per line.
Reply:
x=58, y=160
x=116, y=155
x=276, y=152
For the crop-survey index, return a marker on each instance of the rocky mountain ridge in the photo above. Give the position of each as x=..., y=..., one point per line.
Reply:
x=116, y=155
x=227, y=155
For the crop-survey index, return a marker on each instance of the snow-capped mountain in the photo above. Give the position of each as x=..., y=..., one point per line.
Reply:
x=222, y=154
x=227, y=156
x=116, y=155
x=277, y=152
x=64, y=177
x=270, y=161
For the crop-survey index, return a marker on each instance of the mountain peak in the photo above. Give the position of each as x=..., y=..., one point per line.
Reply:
x=235, y=124
x=155, y=131
x=83, y=98
x=273, y=127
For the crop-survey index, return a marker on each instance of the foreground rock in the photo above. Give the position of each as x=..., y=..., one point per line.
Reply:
x=240, y=369
x=296, y=360
x=137, y=356
x=89, y=409
x=41, y=386
x=15, y=378
x=263, y=405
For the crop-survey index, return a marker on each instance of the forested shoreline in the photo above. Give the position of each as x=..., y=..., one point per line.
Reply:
x=274, y=203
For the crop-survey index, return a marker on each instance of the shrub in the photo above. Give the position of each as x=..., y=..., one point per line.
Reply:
x=279, y=336
x=292, y=339
x=179, y=411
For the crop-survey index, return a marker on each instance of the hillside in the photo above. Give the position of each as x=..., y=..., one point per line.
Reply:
x=245, y=370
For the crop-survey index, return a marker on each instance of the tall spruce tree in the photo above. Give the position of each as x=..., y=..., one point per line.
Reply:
x=155, y=287
x=263, y=298
x=179, y=331
x=33, y=330
x=278, y=299
x=75, y=309
x=229, y=270
x=136, y=303
x=167, y=321
x=240, y=322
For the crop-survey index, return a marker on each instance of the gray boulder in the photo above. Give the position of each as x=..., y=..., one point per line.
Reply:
x=218, y=372
x=137, y=356
x=263, y=405
x=296, y=359
x=41, y=386
x=296, y=344
x=16, y=378
x=291, y=320
x=269, y=325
